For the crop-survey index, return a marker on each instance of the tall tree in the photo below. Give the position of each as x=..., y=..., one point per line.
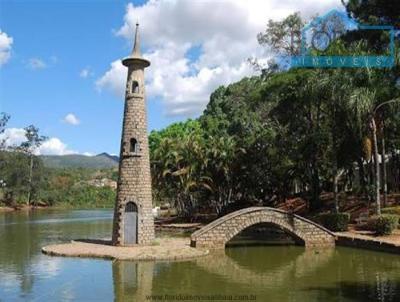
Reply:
x=30, y=146
x=4, y=117
x=283, y=37
x=279, y=38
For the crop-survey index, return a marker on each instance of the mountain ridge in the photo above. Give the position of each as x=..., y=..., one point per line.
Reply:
x=100, y=161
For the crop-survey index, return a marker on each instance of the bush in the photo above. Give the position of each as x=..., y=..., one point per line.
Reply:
x=391, y=210
x=385, y=224
x=335, y=222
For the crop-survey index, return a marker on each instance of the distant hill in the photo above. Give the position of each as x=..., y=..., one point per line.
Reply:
x=100, y=161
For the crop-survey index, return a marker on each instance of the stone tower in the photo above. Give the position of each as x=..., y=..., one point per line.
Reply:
x=133, y=218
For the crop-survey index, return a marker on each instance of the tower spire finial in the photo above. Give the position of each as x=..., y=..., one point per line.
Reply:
x=136, y=46
x=136, y=56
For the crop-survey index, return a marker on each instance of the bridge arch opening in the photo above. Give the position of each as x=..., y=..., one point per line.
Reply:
x=264, y=234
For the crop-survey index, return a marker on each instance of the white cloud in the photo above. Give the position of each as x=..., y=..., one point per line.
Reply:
x=36, y=63
x=71, y=119
x=13, y=136
x=224, y=31
x=85, y=73
x=88, y=154
x=114, y=78
x=53, y=146
x=5, y=47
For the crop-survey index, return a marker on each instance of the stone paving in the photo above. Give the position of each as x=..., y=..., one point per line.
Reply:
x=162, y=249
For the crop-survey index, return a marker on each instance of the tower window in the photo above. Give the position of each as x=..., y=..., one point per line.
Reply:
x=135, y=87
x=134, y=146
x=131, y=207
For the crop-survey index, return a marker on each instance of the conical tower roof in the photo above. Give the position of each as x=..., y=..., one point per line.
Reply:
x=136, y=55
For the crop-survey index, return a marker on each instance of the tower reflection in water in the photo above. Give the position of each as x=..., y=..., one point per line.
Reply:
x=133, y=281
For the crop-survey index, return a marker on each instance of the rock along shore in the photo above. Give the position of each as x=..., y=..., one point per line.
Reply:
x=163, y=249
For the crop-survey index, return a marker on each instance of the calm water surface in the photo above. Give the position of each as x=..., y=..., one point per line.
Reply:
x=275, y=273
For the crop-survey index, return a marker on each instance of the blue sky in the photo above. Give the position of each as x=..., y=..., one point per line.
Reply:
x=64, y=60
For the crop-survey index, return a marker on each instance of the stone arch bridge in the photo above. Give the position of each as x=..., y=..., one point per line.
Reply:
x=217, y=233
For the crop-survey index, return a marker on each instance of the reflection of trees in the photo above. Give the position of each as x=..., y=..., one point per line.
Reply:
x=271, y=273
x=23, y=234
x=260, y=266
x=363, y=276
x=133, y=281
x=302, y=275
x=19, y=244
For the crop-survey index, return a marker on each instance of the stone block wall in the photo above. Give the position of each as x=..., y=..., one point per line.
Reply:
x=220, y=231
x=134, y=183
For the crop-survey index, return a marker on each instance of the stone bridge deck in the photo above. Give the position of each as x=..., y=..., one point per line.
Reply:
x=219, y=232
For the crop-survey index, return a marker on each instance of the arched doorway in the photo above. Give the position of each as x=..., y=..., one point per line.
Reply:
x=130, y=223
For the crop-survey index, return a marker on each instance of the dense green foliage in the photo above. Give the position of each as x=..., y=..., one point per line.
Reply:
x=391, y=210
x=70, y=187
x=337, y=222
x=385, y=224
x=381, y=12
x=25, y=179
x=264, y=139
x=286, y=133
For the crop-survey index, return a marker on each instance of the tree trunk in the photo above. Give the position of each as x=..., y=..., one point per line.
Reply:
x=30, y=179
x=336, y=178
x=315, y=189
x=377, y=169
x=384, y=171
x=335, y=192
x=361, y=175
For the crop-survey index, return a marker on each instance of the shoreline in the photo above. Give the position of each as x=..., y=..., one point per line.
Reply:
x=368, y=241
x=356, y=239
x=163, y=249
x=34, y=208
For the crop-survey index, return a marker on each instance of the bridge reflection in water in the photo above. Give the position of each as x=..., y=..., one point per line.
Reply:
x=284, y=268
x=135, y=281
x=274, y=273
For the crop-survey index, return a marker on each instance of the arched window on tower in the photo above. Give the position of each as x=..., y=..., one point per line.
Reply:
x=135, y=87
x=131, y=207
x=134, y=146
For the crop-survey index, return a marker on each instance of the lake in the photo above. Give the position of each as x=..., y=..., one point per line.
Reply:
x=255, y=273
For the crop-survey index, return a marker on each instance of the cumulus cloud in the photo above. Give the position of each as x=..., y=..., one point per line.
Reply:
x=13, y=136
x=53, y=146
x=196, y=46
x=114, y=78
x=71, y=119
x=36, y=63
x=5, y=47
x=85, y=73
